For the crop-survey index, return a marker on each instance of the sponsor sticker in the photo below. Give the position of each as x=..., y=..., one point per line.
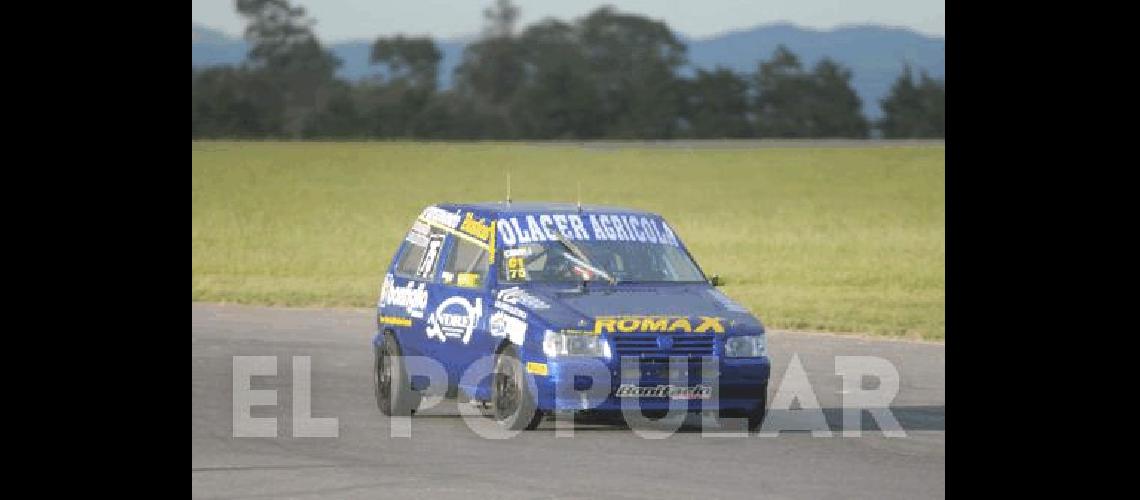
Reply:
x=394, y=320
x=454, y=318
x=421, y=227
x=521, y=229
x=468, y=280
x=502, y=324
x=417, y=239
x=419, y=234
x=412, y=296
x=511, y=309
x=664, y=391
x=427, y=265
x=516, y=295
x=574, y=331
x=657, y=324
x=516, y=252
x=478, y=228
x=440, y=216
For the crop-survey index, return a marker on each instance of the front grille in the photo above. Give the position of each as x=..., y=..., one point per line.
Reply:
x=657, y=366
x=646, y=346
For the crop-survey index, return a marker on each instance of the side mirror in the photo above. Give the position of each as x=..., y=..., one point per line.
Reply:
x=716, y=281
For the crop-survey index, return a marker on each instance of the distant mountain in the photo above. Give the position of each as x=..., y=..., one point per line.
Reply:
x=875, y=54
x=208, y=36
x=210, y=47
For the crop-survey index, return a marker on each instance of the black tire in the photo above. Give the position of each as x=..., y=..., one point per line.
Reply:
x=394, y=394
x=513, y=405
x=756, y=415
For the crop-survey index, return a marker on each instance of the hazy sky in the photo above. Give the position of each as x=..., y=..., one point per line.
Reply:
x=365, y=19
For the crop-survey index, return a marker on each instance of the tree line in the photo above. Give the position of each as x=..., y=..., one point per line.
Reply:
x=608, y=75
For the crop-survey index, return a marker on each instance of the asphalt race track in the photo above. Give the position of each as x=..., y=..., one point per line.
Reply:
x=444, y=458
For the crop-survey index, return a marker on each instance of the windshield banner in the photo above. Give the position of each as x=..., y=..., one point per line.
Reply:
x=594, y=227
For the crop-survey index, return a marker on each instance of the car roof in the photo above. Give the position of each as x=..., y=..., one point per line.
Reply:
x=500, y=208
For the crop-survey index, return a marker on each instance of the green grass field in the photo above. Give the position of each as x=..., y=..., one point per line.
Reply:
x=827, y=239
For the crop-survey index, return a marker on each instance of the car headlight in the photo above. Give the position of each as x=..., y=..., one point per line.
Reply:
x=746, y=346
x=556, y=344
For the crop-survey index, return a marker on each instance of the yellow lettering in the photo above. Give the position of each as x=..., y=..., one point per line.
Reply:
x=628, y=324
x=516, y=268
x=682, y=324
x=393, y=320
x=604, y=324
x=710, y=323
x=476, y=228
x=654, y=324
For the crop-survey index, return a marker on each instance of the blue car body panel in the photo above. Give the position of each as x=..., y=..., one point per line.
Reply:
x=684, y=322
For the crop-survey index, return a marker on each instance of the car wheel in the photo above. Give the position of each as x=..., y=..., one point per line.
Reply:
x=394, y=394
x=755, y=415
x=513, y=405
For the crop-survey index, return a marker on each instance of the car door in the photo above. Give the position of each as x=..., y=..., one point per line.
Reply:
x=456, y=329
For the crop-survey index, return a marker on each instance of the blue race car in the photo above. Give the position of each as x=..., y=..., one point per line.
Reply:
x=556, y=301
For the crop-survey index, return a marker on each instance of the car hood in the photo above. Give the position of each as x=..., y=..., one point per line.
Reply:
x=569, y=307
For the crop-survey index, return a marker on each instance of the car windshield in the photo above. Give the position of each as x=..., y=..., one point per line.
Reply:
x=625, y=261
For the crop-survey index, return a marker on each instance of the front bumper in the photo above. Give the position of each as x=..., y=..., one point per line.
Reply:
x=590, y=383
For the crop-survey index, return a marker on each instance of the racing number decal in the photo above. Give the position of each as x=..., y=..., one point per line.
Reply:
x=516, y=268
x=430, y=256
